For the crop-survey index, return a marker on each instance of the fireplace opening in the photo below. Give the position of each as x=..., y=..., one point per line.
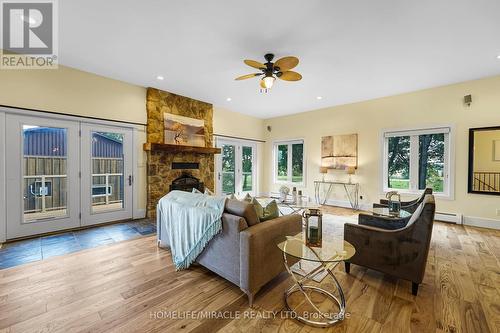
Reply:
x=186, y=182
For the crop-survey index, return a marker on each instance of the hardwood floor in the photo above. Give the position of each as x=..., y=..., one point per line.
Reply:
x=131, y=287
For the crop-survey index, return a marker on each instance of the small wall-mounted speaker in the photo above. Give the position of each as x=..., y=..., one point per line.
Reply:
x=468, y=100
x=269, y=128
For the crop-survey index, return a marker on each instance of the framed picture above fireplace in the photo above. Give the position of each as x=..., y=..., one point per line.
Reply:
x=184, y=131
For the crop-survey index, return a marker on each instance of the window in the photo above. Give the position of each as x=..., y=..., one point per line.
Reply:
x=414, y=160
x=289, y=161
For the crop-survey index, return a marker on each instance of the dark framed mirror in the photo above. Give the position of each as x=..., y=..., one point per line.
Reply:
x=484, y=160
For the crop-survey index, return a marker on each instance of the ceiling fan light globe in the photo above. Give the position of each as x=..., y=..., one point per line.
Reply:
x=268, y=81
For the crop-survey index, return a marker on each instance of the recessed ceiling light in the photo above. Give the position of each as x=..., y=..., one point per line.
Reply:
x=229, y=99
x=159, y=77
x=319, y=97
x=498, y=56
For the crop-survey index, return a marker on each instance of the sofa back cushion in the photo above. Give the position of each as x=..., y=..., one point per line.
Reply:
x=243, y=209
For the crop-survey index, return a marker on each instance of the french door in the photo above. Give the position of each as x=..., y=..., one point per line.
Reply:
x=106, y=174
x=42, y=164
x=236, y=167
x=63, y=174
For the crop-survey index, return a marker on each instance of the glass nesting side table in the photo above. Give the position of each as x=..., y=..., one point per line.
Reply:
x=328, y=256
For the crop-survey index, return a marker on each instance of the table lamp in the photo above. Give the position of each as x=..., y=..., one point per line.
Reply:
x=350, y=171
x=323, y=171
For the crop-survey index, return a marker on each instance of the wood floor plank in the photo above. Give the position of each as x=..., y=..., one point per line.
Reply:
x=117, y=288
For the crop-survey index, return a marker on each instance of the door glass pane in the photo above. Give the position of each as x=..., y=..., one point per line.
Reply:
x=431, y=162
x=297, y=162
x=282, y=157
x=107, y=172
x=228, y=169
x=398, y=162
x=44, y=174
x=246, y=162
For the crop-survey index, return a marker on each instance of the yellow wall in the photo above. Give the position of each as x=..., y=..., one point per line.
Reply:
x=70, y=91
x=238, y=125
x=437, y=106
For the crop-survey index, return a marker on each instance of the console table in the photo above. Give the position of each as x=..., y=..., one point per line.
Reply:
x=351, y=189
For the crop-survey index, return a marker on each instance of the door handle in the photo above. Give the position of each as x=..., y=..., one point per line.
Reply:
x=130, y=180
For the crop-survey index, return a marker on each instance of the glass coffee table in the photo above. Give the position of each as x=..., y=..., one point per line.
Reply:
x=289, y=207
x=376, y=211
x=329, y=255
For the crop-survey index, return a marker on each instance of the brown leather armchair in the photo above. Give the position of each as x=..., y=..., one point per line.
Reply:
x=401, y=253
x=409, y=206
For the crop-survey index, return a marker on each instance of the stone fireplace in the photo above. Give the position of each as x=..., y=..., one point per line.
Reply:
x=167, y=163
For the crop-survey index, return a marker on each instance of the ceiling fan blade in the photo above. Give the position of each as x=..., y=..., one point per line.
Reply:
x=248, y=76
x=254, y=64
x=286, y=63
x=290, y=76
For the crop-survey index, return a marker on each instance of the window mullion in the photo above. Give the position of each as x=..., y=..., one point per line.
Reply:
x=414, y=162
x=289, y=165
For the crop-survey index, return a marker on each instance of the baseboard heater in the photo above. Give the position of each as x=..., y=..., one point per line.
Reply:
x=449, y=217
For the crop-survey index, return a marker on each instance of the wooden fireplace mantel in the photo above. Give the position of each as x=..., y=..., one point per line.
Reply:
x=148, y=146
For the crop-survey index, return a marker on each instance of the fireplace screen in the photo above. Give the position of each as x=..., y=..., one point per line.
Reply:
x=186, y=182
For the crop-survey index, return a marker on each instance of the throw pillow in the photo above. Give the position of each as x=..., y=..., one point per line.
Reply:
x=271, y=211
x=258, y=208
x=248, y=198
x=208, y=192
x=195, y=190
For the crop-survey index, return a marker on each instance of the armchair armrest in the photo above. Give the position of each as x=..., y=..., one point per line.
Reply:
x=374, y=246
x=394, y=252
x=260, y=258
x=382, y=222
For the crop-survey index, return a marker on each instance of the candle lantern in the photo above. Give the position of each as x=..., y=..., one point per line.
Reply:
x=314, y=226
x=394, y=203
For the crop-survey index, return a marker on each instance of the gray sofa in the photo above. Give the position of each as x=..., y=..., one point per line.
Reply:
x=245, y=252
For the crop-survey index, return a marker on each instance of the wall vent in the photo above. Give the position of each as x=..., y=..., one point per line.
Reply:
x=449, y=217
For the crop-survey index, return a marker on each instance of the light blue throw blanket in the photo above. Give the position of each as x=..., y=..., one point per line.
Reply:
x=186, y=222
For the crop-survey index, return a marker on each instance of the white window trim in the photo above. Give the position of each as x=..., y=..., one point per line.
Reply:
x=289, y=167
x=449, y=170
x=219, y=141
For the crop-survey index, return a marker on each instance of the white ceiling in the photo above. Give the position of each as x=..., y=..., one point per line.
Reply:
x=349, y=50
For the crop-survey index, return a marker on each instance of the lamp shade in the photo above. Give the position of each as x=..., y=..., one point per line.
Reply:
x=351, y=170
x=268, y=81
x=323, y=170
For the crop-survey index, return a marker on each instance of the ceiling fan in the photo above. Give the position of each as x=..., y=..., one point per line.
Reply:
x=270, y=71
